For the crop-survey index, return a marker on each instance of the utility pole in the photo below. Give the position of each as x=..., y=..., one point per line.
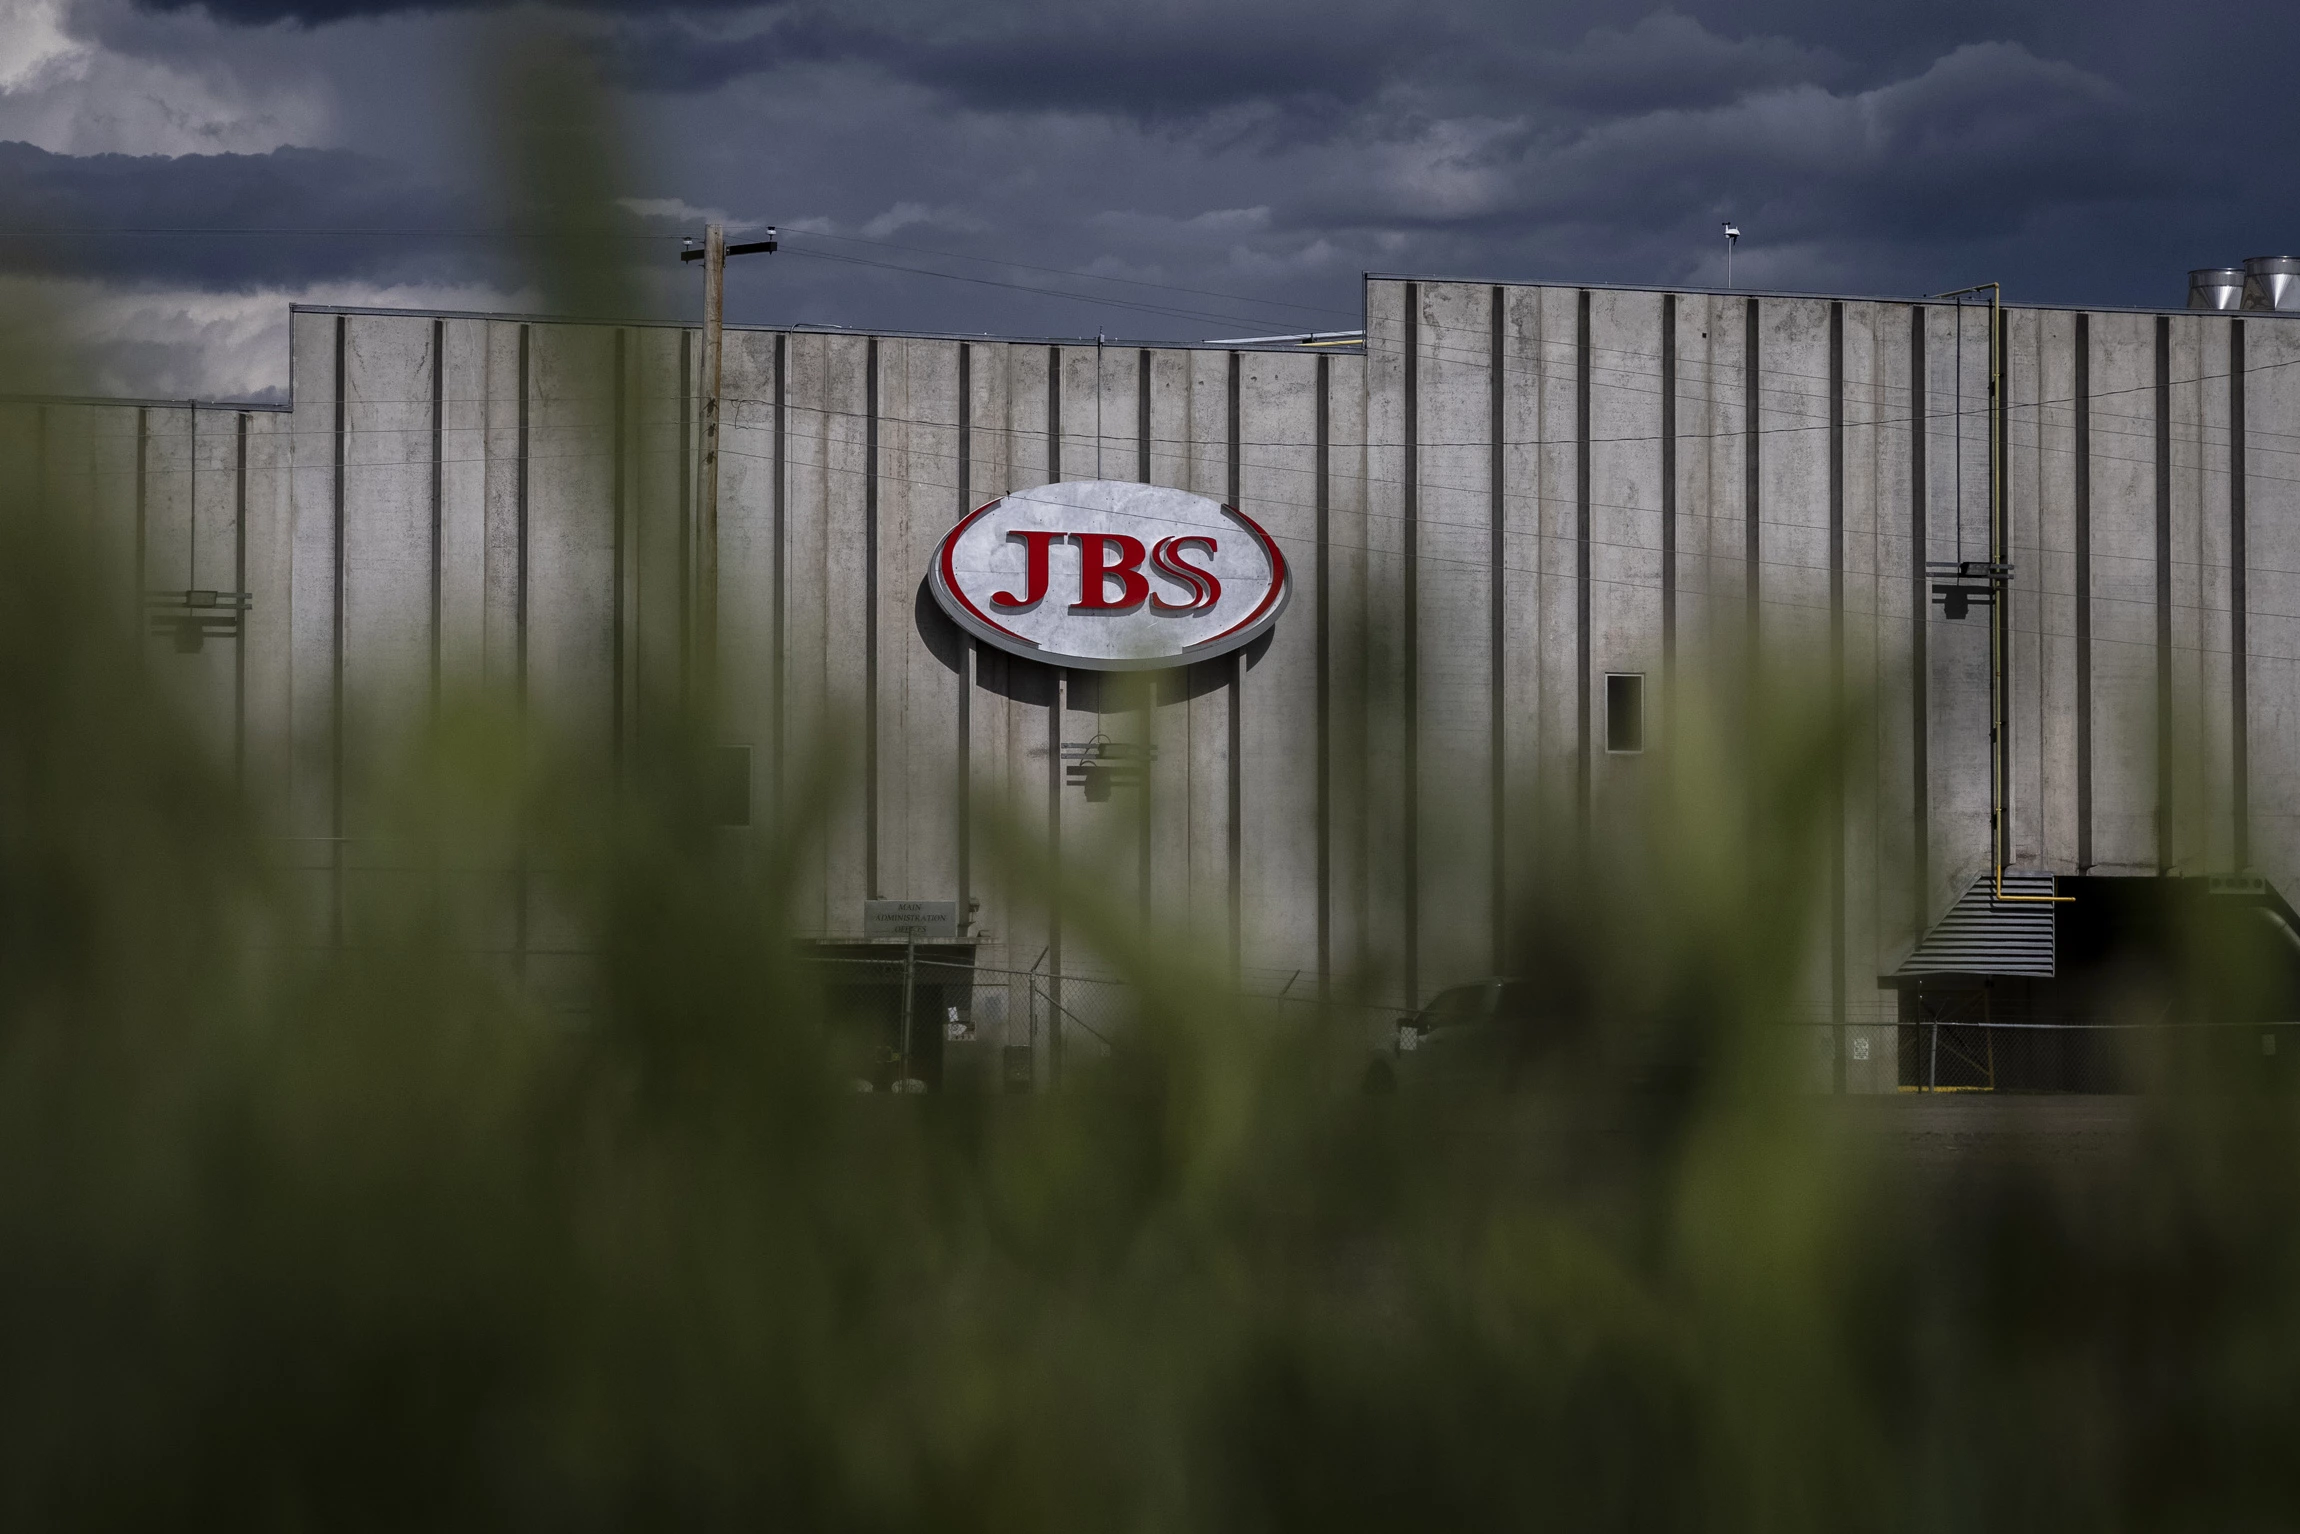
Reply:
x=713, y=255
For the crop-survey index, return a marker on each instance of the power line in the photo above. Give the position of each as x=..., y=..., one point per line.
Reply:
x=1056, y=271
x=587, y=231
x=1021, y=287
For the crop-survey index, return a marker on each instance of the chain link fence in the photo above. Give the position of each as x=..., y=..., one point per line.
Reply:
x=970, y=1027
x=2072, y=1056
x=938, y=1022
x=934, y=1021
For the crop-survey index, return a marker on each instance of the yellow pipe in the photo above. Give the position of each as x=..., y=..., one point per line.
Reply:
x=2000, y=813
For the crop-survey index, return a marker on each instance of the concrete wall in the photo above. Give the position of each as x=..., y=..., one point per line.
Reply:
x=1511, y=493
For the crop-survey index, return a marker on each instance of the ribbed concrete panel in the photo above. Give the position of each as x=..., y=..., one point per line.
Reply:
x=1868, y=858
x=208, y=507
x=387, y=534
x=1712, y=411
x=269, y=723
x=2124, y=593
x=1793, y=467
x=844, y=667
x=1351, y=935
x=1384, y=648
x=2187, y=743
x=1278, y=710
x=923, y=654
x=462, y=447
x=167, y=455
x=2044, y=501
x=569, y=602
x=1406, y=738
x=571, y=557
x=1794, y=406
x=1453, y=652
x=1164, y=799
x=821, y=743
x=2272, y=584
x=1529, y=596
x=310, y=599
x=2201, y=593
x=1957, y=651
x=386, y=586
x=1555, y=323
x=748, y=694
x=1625, y=557
x=1879, y=463
x=1099, y=835
x=1008, y=729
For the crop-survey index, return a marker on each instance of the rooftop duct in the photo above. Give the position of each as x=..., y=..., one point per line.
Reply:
x=2272, y=282
x=2216, y=287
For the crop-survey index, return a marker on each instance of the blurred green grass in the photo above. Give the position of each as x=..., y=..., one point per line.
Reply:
x=366, y=1238
x=294, y=1237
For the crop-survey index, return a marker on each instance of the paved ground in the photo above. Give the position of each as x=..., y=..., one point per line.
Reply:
x=1943, y=1128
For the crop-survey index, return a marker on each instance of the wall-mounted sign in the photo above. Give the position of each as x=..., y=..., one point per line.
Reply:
x=921, y=920
x=1110, y=576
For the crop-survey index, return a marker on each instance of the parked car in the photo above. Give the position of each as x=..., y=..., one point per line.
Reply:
x=1468, y=1037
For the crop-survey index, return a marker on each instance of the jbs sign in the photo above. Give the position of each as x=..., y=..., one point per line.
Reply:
x=1110, y=576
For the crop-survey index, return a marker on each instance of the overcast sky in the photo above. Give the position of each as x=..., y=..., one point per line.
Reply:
x=1141, y=168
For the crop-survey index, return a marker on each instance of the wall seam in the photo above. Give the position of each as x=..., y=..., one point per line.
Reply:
x=143, y=580
x=1237, y=664
x=240, y=622
x=1323, y=809
x=870, y=620
x=438, y=498
x=685, y=532
x=335, y=651
x=1668, y=504
x=2164, y=829
x=1497, y=647
x=1920, y=657
x=2083, y=582
x=1751, y=486
x=1837, y=694
x=1411, y=691
x=967, y=652
x=519, y=912
x=2239, y=639
x=1582, y=647
x=778, y=679
x=1144, y=854
x=2005, y=840
x=618, y=510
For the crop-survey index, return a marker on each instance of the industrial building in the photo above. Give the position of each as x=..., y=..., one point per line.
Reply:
x=1508, y=518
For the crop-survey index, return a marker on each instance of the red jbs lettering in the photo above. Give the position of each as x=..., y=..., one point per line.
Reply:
x=1110, y=574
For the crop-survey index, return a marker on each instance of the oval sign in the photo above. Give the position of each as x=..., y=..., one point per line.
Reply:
x=1108, y=575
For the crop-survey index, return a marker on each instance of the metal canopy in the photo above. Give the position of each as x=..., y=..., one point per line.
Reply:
x=1983, y=935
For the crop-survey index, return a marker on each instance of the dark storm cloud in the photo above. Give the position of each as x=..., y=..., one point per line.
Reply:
x=258, y=13
x=240, y=221
x=1666, y=60
x=1989, y=132
x=1277, y=148
x=1156, y=61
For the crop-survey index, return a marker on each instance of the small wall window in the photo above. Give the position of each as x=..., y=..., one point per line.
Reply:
x=729, y=788
x=1624, y=711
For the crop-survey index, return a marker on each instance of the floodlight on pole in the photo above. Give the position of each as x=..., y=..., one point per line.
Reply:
x=1732, y=233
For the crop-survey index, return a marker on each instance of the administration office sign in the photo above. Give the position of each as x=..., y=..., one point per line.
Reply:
x=1107, y=575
